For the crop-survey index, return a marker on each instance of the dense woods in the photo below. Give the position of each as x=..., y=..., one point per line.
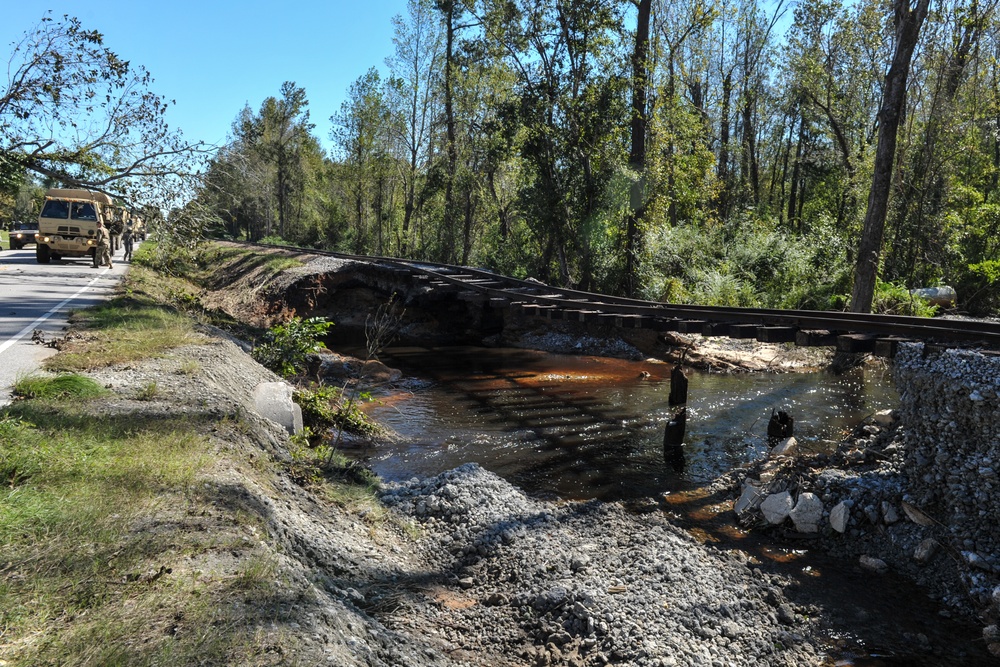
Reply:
x=736, y=152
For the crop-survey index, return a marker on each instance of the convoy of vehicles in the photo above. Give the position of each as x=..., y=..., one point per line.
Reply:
x=67, y=225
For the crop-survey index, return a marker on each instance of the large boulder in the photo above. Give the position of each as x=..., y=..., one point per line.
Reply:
x=273, y=401
x=776, y=507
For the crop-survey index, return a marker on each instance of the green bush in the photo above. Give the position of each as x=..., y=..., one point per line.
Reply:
x=286, y=346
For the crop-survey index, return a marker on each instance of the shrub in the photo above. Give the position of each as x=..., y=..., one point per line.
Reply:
x=286, y=346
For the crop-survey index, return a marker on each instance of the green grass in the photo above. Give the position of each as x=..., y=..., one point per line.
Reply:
x=122, y=330
x=70, y=385
x=118, y=544
x=111, y=537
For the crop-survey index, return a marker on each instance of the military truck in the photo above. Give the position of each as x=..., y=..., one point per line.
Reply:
x=67, y=225
x=138, y=228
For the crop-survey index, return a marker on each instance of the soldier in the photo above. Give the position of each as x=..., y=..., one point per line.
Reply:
x=103, y=254
x=127, y=242
x=116, y=228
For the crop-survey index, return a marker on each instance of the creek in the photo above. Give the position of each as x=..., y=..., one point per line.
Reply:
x=578, y=427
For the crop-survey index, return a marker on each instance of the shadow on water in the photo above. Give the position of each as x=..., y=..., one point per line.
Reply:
x=589, y=427
x=576, y=427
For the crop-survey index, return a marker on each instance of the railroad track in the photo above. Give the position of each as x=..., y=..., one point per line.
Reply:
x=848, y=332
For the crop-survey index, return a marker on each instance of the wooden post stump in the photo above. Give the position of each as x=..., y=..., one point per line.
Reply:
x=780, y=426
x=678, y=387
x=673, y=439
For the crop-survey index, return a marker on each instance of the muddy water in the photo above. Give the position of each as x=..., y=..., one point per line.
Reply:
x=585, y=427
x=589, y=427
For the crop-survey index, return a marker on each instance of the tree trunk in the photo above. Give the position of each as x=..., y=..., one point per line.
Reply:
x=637, y=154
x=452, y=150
x=907, y=24
x=727, y=92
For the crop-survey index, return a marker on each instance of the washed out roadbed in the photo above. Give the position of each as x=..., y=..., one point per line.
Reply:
x=462, y=568
x=254, y=558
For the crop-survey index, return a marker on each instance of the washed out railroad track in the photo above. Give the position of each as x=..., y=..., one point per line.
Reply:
x=846, y=331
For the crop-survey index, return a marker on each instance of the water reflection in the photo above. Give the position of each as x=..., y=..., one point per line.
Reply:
x=585, y=427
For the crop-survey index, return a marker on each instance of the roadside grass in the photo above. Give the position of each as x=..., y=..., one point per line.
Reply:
x=117, y=544
x=125, y=329
x=73, y=487
x=69, y=385
x=111, y=540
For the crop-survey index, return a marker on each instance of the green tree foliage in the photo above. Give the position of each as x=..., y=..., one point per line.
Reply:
x=503, y=134
x=74, y=112
x=270, y=180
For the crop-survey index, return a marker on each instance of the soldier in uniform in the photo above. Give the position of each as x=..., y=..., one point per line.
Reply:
x=127, y=242
x=103, y=254
x=116, y=229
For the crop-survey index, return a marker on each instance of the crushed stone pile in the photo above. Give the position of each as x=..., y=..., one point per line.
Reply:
x=589, y=584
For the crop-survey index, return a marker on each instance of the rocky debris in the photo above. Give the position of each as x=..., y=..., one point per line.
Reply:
x=840, y=515
x=906, y=484
x=786, y=447
x=332, y=368
x=777, y=507
x=807, y=513
x=873, y=564
x=590, y=584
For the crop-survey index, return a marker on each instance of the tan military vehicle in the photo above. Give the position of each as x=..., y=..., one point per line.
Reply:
x=67, y=225
x=138, y=228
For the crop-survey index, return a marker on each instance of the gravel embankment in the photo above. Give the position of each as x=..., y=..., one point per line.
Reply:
x=589, y=584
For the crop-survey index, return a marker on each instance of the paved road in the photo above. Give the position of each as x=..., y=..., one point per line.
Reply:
x=41, y=296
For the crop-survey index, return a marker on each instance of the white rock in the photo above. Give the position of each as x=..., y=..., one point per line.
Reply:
x=749, y=499
x=785, y=447
x=273, y=401
x=873, y=564
x=776, y=507
x=839, y=516
x=883, y=417
x=975, y=560
x=807, y=513
x=889, y=513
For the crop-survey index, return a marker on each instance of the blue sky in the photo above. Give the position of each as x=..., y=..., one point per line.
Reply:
x=215, y=57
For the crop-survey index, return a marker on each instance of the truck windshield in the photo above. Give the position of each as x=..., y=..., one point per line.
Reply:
x=55, y=209
x=84, y=211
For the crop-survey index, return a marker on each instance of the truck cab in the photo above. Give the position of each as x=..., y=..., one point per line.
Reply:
x=67, y=225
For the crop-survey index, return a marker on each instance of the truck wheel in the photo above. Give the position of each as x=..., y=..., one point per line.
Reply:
x=14, y=246
x=42, y=254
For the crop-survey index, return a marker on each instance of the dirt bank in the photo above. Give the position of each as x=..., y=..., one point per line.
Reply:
x=458, y=569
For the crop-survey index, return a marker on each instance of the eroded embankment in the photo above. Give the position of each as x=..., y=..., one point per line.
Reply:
x=347, y=291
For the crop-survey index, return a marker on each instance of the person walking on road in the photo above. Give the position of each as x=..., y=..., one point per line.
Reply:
x=103, y=254
x=127, y=242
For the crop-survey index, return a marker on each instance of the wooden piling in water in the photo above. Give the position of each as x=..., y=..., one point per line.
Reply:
x=678, y=387
x=780, y=426
x=673, y=439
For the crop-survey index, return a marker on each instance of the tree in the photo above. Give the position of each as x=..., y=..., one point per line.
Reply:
x=414, y=86
x=637, y=150
x=362, y=131
x=907, y=21
x=284, y=129
x=75, y=112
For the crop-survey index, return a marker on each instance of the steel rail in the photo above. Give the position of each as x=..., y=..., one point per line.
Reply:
x=515, y=290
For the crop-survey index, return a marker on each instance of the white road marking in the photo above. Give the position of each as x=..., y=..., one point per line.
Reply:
x=31, y=327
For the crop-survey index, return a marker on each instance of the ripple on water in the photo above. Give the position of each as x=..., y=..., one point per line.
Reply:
x=586, y=427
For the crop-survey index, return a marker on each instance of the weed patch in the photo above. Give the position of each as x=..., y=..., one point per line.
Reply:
x=70, y=385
